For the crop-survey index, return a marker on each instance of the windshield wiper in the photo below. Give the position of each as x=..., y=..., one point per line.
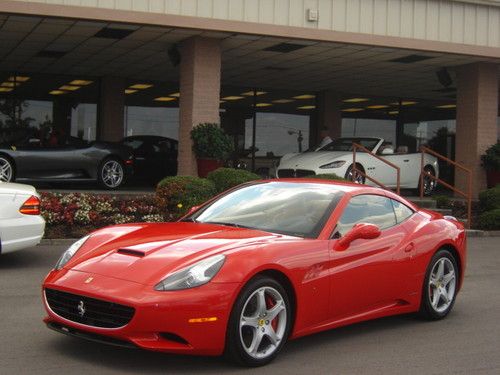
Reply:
x=228, y=224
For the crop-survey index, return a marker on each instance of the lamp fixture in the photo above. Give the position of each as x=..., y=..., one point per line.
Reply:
x=283, y=101
x=378, y=106
x=141, y=86
x=164, y=99
x=307, y=107
x=356, y=100
x=175, y=95
x=352, y=110
x=263, y=104
x=69, y=87
x=6, y=89
x=446, y=106
x=250, y=93
x=80, y=82
x=130, y=91
x=305, y=96
x=233, y=97
x=57, y=92
x=18, y=78
x=405, y=102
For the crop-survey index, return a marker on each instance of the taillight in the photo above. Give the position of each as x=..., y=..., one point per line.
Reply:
x=31, y=206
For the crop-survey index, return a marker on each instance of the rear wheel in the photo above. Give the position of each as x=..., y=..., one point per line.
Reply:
x=259, y=324
x=111, y=174
x=440, y=286
x=6, y=169
x=355, y=177
x=429, y=183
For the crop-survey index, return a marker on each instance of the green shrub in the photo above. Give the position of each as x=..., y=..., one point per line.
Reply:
x=327, y=176
x=489, y=220
x=491, y=158
x=211, y=142
x=442, y=201
x=490, y=198
x=226, y=178
x=177, y=194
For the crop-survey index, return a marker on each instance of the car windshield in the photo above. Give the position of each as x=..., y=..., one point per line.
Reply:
x=345, y=144
x=297, y=209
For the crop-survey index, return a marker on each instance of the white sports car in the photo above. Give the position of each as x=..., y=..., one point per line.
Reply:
x=21, y=225
x=337, y=158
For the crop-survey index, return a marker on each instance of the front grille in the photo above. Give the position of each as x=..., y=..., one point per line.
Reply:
x=284, y=173
x=89, y=311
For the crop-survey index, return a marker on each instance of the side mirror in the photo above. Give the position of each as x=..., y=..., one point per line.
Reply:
x=358, y=231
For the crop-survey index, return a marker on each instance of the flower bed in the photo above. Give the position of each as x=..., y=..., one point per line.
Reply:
x=75, y=214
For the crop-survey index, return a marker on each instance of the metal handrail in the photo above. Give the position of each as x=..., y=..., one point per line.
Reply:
x=468, y=195
x=356, y=146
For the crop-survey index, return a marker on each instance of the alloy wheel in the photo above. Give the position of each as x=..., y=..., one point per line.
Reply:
x=112, y=173
x=442, y=284
x=429, y=182
x=6, y=170
x=263, y=322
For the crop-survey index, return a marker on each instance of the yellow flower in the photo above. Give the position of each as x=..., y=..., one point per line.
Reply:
x=179, y=205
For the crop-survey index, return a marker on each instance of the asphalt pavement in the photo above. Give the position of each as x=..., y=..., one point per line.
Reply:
x=466, y=342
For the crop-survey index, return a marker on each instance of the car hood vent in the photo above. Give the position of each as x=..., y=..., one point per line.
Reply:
x=134, y=253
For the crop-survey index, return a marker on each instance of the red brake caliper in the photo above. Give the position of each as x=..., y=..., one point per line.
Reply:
x=269, y=304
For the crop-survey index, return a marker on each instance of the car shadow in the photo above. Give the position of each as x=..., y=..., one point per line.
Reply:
x=26, y=258
x=134, y=360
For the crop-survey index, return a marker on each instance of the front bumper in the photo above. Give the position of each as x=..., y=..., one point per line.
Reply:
x=162, y=319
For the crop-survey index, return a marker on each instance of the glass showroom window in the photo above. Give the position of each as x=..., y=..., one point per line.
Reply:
x=360, y=127
x=152, y=121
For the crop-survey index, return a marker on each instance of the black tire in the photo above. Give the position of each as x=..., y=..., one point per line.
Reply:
x=7, y=169
x=429, y=184
x=102, y=174
x=361, y=179
x=427, y=310
x=235, y=350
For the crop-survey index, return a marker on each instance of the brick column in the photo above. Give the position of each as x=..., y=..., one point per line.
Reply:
x=477, y=112
x=111, y=108
x=200, y=72
x=328, y=114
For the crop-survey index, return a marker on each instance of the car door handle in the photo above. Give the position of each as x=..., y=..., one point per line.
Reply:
x=410, y=247
x=406, y=160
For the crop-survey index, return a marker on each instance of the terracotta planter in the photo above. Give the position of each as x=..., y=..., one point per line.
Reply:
x=492, y=177
x=205, y=166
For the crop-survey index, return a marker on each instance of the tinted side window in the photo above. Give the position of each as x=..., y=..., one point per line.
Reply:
x=371, y=209
x=402, y=211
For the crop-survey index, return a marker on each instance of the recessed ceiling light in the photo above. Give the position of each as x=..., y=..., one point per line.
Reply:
x=405, y=102
x=80, y=82
x=233, y=97
x=446, y=106
x=263, y=104
x=57, y=92
x=393, y=112
x=352, y=110
x=19, y=78
x=164, y=99
x=6, y=89
x=378, y=106
x=356, y=100
x=305, y=96
x=283, y=101
x=69, y=88
x=130, y=91
x=307, y=107
x=222, y=101
x=176, y=95
x=250, y=93
x=10, y=84
x=141, y=86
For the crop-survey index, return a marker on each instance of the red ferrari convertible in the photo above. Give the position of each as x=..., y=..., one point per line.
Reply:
x=256, y=266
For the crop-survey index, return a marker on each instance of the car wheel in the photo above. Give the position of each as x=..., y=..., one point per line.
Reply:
x=6, y=169
x=358, y=178
x=429, y=183
x=111, y=174
x=440, y=286
x=259, y=324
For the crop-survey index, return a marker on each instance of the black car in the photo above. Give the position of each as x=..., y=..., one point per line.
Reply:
x=154, y=157
x=71, y=159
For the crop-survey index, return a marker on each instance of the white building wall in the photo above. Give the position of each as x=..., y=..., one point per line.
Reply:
x=461, y=22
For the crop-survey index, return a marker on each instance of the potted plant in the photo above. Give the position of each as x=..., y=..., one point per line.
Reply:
x=491, y=162
x=211, y=146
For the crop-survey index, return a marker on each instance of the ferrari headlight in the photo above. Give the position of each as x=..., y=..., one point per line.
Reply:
x=68, y=254
x=195, y=275
x=333, y=164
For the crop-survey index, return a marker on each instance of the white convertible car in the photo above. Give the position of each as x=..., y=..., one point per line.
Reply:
x=337, y=158
x=21, y=225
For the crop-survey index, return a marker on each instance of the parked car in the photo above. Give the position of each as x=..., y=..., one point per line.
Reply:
x=154, y=157
x=263, y=263
x=336, y=157
x=21, y=225
x=71, y=159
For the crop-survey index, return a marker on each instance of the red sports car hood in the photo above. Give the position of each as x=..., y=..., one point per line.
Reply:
x=146, y=253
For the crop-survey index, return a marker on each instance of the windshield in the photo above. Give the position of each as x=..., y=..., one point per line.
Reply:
x=345, y=144
x=297, y=209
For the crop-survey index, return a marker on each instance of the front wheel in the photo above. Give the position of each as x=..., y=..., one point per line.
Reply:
x=259, y=324
x=6, y=170
x=440, y=286
x=111, y=174
x=351, y=175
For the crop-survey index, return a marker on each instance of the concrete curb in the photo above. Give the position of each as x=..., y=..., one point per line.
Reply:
x=69, y=241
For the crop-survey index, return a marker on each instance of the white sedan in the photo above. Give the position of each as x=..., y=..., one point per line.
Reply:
x=337, y=158
x=21, y=225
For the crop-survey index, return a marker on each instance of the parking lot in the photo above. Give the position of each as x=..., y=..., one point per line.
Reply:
x=467, y=342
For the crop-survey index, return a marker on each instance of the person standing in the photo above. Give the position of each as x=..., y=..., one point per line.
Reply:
x=325, y=137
